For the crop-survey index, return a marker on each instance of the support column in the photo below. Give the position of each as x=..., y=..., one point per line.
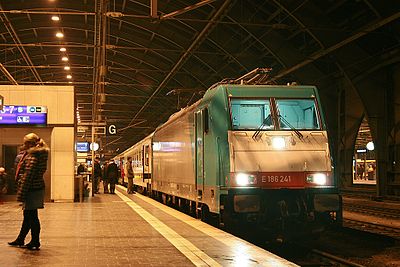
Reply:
x=394, y=161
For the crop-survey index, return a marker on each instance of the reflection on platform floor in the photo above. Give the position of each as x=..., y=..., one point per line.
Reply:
x=125, y=230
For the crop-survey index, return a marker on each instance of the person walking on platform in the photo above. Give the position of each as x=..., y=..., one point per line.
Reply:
x=30, y=191
x=96, y=175
x=130, y=175
x=112, y=175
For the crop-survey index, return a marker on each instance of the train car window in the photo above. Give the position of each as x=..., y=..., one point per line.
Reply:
x=146, y=150
x=298, y=114
x=205, y=117
x=251, y=114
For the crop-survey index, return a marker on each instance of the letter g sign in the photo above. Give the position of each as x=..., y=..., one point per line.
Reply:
x=112, y=129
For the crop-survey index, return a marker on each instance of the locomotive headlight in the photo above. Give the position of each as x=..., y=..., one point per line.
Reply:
x=320, y=178
x=244, y=179
x=278, y=142
x=317, y=178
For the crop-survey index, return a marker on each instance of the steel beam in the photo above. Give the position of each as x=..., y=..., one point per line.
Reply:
x=8, y=74
x=199, y=38
x=329, y=50
x=17, y=41
x=153, y=8
x=184, y=10
x=45, y=12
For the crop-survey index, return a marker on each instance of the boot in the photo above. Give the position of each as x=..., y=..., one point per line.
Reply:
x=35, y=232
x=33, y=245
x=17, y=243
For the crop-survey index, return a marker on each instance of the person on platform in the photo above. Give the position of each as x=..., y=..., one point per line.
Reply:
x=112, y=175
x=130, y=175
x=105, y=177
x=31, y=186
x=97, y=175
x=81, y=169
x=17, y=159
x=3, y=181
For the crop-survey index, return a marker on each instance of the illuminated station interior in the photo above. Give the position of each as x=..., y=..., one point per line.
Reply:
x=199, y=133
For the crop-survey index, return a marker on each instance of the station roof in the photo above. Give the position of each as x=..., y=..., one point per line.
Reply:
x=135, y=62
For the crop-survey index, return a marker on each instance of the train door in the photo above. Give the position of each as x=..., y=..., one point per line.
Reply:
x=199, y=154
x=147, y=169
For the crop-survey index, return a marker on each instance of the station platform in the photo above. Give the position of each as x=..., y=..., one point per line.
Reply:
x=125, y=230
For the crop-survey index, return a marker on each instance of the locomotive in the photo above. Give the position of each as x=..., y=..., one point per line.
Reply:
x=245, y=155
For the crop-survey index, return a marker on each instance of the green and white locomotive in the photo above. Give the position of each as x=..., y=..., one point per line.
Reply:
x=254, y=155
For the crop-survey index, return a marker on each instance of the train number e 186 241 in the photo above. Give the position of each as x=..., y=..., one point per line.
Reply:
x=276, y=179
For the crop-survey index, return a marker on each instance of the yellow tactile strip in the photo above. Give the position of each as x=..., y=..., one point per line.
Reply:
x=194, y=254
x=246, y=254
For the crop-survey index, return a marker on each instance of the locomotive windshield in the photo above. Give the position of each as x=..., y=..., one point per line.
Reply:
x=256, y=114
x=250, y=114
x=297, y=113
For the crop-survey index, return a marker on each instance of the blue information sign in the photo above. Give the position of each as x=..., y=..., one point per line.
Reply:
x=82, y=146
x=23, y=115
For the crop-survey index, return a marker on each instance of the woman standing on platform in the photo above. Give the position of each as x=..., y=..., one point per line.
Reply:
x=30, y=191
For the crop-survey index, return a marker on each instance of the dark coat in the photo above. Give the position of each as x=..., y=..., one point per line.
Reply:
x=81, y=169
x=104, y=173
x=3, y=182
x=16, y=161
x=112, y=173
x=30, y=171
x=129, y=170
x=97, y=170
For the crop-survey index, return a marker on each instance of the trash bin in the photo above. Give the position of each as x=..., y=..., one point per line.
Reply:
x=79, y=187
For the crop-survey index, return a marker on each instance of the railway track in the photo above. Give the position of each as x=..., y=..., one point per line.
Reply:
x=307, y=256
x=375, y=228
x=377, y=212
x=327, y=259
x=372, y=210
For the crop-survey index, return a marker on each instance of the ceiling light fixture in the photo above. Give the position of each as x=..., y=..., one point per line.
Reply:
x=67, y=68
x=55, y=18
x=63, y=49
x=59, y=35
x=69, y=76
x=64, y=59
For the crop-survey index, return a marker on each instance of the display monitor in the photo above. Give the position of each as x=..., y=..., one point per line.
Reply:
x=82, y=147
x=23, y=115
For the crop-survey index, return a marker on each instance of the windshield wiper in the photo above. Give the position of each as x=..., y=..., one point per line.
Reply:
x=266, y=121
x=297, y=132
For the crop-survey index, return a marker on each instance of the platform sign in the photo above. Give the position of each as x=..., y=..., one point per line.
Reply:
x=23, y=115
x=82, y=147
x=111, y=129
x=82, y=129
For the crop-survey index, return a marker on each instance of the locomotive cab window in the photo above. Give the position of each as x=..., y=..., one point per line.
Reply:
x=298, y=114
x=249, y=114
